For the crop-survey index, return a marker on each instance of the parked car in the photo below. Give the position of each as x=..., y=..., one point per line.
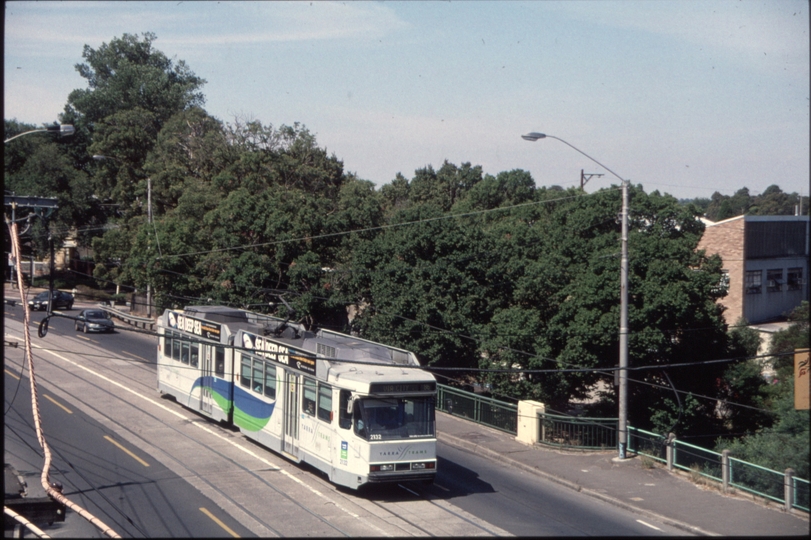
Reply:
x=94, y=320
x=60, y=300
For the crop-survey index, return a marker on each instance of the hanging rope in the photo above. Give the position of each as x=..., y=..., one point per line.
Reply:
x=54, y=490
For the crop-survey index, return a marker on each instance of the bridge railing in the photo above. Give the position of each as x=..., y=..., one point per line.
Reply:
x=585, y=433
x=480, y=409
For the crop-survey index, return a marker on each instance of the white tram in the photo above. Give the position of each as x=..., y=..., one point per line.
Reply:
x=357, y=410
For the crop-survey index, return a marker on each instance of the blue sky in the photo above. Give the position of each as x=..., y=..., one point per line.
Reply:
x=684, y=97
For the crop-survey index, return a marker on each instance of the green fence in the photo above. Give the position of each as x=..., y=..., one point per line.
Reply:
x=801, y=493
x=697, y=460
x=577, y=431
x=557, y=429
x=483, y=410
x=645, y=443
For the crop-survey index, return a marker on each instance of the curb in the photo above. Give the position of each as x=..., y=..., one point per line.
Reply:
x=462, y=443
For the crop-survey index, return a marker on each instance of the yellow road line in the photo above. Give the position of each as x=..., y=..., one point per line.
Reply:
x=144, y=463
x=133, y=355
x=12, y=374
x=220, y=523
x=52, y=400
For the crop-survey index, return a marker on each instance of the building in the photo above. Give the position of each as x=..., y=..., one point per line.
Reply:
x=765, y=264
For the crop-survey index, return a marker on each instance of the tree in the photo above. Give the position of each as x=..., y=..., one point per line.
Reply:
x=784, y=443
x=132, y=91
x=40, y=166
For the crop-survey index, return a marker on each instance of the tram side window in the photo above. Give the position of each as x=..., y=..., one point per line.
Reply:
x=258, y=375
x=175, y=347
x=344, y=419
x=308, y=399
x=245, y=374
x=219, y=362
x=184, y=352
x=270, y=381
x=325, y=402
x=195, y=354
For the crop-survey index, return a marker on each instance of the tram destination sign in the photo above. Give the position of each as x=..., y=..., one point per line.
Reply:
x=402, y=388
x=198, y=327
x=279, y=352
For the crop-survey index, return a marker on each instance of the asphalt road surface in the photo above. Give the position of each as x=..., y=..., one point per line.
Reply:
x=151, y=468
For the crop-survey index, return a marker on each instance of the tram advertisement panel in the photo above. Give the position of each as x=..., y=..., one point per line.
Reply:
x=184, y=323
x=279, y=352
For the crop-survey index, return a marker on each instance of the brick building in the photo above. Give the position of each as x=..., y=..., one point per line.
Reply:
x=765, y=264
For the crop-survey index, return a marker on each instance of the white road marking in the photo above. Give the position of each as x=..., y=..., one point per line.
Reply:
x=199, y=425
x=648, y=525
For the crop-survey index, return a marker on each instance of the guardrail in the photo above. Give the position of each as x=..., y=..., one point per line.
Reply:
x=146, y=323
x=730, y=472
x=483, y=410
x=583, y=433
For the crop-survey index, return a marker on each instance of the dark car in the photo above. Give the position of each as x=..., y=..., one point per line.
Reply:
x=94, y=320
x=60, y=300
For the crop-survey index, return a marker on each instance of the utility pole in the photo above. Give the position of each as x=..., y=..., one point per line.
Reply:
x=623, y=337
x=149, y=219
x=42, y=207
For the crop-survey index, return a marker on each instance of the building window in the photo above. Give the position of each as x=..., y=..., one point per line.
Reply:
x=794, y=279
x=774, y=280
x=754, y=281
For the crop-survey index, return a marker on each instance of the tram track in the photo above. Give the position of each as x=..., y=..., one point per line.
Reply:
x=381, y=520
x=176, y=465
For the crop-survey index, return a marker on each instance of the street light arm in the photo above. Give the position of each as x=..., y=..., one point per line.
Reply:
x=535, y=136
x=63, y=130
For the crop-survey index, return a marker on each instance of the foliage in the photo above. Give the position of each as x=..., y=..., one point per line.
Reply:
x=772, y=202
x=785, y=442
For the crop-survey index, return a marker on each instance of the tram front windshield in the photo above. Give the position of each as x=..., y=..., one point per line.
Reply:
x=394, y=418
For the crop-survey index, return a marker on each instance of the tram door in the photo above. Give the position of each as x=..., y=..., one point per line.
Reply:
x=291, y=414
x=206, y=400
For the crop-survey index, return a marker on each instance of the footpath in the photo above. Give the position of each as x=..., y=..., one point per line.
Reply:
x=655, y=492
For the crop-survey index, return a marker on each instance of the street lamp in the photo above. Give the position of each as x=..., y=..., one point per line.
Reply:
x=63, y=130
x=99, y=157
x=623, y=336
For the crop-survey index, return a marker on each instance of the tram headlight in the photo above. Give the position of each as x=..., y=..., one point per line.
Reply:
x=423, y=465
x=382, y=468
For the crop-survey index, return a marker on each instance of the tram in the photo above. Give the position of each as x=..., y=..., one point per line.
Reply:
x=359, y=411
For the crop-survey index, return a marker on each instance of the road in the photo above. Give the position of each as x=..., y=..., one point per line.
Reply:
x=118, y=422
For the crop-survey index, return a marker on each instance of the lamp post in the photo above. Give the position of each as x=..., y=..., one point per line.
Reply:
x=63, y=130
x=98, y=157
x=623, y=335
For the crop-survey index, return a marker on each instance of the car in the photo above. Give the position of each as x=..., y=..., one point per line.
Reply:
x=60, y=300
x=94, y=320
